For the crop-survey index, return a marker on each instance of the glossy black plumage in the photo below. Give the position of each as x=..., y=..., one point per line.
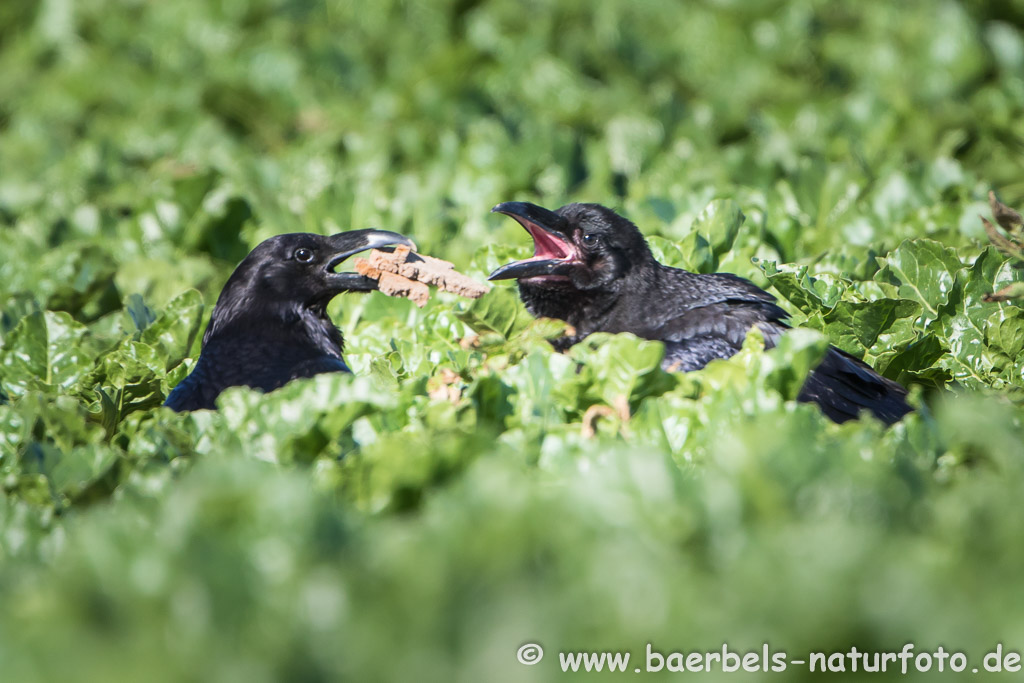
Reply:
x=593, y=269
x=270, y=324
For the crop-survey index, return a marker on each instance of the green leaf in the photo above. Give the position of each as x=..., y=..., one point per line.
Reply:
x=969, y=360
x=924, y=271
x=77, y=470
x=622, y=366
x=720, y=222
x=547, y=388
x=83, y=277
x=786, y=366
x=698, y=256
x=301, y=419
x=809, y=294
x=672, y=253
x=142, y=315
x=14, y=309
x=1005, y=332
x=855, y=326
x=712, y=235
x=44, y=351
x=497, y=311
x=915, y=360
x=175, y=333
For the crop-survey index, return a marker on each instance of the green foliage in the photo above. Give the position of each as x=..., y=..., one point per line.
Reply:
x=468, y=489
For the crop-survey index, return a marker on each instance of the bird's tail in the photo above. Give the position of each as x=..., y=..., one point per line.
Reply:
x=844, y=387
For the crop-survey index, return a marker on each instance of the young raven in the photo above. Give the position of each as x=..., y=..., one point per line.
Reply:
x=593, y=269
x=270, y=323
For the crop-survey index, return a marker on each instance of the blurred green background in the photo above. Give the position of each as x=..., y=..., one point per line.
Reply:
x=425, y=518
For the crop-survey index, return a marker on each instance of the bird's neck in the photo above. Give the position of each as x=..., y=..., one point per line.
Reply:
x=560, y=302
x=295, y=326
x=589, y=311
x=320, y=330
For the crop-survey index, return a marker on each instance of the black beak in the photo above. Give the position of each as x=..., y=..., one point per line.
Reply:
x=553, y=253
x=346, y=244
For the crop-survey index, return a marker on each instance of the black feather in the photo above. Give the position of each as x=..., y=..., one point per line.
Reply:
x=270, y=324
x=593, y=269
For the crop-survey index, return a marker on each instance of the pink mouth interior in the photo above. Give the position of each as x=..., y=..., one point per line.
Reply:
x=546, y=245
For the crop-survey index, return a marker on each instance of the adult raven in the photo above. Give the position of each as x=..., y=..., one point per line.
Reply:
x=592, y=268
x=270, y=323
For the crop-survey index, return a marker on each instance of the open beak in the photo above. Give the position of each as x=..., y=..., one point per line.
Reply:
x=553, y=253
x=346, y=244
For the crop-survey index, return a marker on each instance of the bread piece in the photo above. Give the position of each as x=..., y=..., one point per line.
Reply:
x=404, y=273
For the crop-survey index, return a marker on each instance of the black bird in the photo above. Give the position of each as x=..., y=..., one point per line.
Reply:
x=593, y=269
x=270, y=323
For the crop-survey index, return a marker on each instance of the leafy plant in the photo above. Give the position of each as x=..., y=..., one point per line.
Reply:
x=468, y=489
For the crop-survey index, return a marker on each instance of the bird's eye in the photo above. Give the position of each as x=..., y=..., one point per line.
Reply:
x=304, y=255
x=591, y=238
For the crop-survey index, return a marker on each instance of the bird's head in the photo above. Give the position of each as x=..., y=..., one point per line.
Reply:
x=580, y=246
x=297, y=271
